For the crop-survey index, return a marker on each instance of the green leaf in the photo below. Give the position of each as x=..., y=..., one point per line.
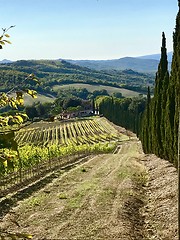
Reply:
x=7, y=35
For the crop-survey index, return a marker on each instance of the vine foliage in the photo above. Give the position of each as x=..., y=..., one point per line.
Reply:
x=9, y=124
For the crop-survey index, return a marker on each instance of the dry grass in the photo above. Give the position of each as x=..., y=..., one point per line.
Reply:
x=127, y=195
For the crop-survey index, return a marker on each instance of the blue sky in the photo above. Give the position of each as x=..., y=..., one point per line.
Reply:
x=86, y=29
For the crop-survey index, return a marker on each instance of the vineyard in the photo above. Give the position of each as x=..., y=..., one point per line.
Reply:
x=80, y=132
x=45, y=146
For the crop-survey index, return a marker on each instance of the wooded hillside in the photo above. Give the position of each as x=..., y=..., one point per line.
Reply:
x=58, y=72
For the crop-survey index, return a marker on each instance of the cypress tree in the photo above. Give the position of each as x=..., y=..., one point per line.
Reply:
x=165, y=106
x=164, y=117
x=174, y=88
x=157, y=114
x=93, y=106
x=146, y=127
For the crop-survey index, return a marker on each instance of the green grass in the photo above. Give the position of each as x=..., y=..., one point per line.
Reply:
x=76, y=200
x=62, y=196
x=40, y=98
x=91, y=88
x=132, y=172
x=35, y=201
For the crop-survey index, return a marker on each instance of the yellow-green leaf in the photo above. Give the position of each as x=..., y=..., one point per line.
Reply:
x=12, y=104
x=19, y=98
x=2, y=158
x=2, y=43
x=7, y=35
x=32, y=93
x=20, y=101
x=4, y=97
x=24, y=235
x=2, y=103
x=23, y=115
x=5, y=163
x=36, y=80
x=7, y=41
x=18, y=119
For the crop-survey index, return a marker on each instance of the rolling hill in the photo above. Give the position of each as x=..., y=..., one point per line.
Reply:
x=59, y=72
x=145, y=64
x=157, y=56
x=136, y=64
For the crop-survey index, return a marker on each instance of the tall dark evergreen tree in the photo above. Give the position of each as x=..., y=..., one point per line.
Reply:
x=165, y=106
x=157, y=113
x=159, y=132
x=146, y=126
x=175, y=85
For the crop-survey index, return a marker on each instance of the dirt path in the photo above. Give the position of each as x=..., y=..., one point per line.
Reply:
x=127, y=195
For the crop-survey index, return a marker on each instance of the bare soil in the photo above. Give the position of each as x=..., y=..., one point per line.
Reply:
x=126, y=195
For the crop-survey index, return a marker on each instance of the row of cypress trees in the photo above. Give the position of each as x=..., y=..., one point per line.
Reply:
x=125, y=112
x=156, y=122
x=161, y=118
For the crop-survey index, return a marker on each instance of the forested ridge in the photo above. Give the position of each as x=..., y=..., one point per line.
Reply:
x=57, y=72
x=156, y=121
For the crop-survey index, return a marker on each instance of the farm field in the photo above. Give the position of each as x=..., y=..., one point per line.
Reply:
x=40, y=98
x=91, y=88
x=74, y=132
x=45, y=146
x=88, y=179
x=126, y=195
x=46, y=140
x=45, y=98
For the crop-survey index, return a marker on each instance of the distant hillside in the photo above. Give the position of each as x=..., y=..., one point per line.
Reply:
x=146, y=64
x=157, y=56
x=5, y=61
x=55, y=72
x=136, y=64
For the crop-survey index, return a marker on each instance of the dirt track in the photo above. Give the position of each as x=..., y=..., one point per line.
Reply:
x=127, y=195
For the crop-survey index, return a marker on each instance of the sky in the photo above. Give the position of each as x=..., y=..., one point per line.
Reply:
x=86, y=29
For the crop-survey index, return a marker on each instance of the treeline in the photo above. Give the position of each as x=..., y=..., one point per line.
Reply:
x=125, y=112
x=156, y=119
x=161, y=118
